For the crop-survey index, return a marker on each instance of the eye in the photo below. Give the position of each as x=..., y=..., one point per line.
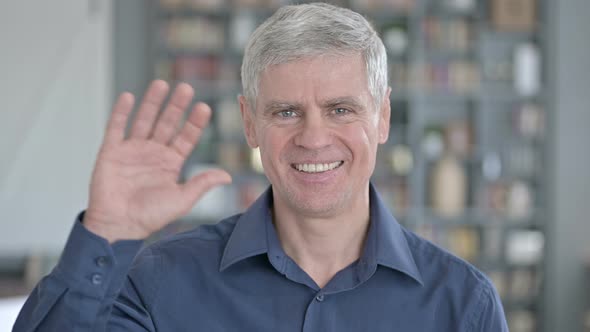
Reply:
x=341, y=111
x=287, y=114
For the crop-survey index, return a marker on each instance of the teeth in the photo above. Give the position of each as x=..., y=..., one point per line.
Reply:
x=317, y=168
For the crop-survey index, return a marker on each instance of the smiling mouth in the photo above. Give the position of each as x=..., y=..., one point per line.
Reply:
x=317, y=168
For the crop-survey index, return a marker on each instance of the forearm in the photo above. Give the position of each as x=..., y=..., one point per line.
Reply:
x=79, y=294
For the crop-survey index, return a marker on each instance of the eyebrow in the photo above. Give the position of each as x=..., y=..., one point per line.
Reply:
x=348, y=100
x=274, y=105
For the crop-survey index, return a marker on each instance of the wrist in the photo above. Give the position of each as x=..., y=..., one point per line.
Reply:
x=111, y=231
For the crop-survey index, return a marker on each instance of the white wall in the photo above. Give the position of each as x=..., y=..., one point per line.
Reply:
x=54, y=100
x=9, y=309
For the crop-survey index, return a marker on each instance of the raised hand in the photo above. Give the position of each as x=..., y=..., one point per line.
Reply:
x=134, y=189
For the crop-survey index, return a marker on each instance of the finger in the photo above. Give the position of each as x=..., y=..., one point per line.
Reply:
x=115, y=131
x=198, y=185
x=149, y=108
x=168, y=122
x=190, y=133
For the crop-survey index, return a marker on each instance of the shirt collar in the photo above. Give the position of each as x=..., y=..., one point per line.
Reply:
x=249, y=235
x=386, y=243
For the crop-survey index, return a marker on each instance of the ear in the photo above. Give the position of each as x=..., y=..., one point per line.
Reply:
x=248, y=122
x=384, y=117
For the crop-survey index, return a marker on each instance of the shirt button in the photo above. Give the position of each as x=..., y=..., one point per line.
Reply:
x=102, y=261
x=96, y=279
x=320, y=298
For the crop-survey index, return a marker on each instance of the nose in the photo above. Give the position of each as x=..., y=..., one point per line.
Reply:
x=314, y=132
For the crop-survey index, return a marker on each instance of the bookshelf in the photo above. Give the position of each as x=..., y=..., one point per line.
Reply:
x=464, y=163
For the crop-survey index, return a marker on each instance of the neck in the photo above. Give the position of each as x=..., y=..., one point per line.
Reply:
x=322, y=246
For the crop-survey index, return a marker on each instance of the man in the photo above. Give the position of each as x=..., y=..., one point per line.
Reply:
x=318, y=251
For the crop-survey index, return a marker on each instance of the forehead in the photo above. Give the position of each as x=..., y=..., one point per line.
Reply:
x=315, y=79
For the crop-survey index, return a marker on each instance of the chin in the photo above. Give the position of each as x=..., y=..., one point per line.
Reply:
x=320, y=205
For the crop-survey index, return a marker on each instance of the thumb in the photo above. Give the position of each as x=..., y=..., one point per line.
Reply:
x=199, y=184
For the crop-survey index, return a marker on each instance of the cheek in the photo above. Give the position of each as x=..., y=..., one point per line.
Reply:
x=272, y=143
x=361, y=140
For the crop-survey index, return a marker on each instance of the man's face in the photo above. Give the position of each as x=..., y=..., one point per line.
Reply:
x=318, y=129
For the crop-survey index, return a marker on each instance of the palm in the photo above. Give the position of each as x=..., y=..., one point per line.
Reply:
x=135, y=181
x=138, y=178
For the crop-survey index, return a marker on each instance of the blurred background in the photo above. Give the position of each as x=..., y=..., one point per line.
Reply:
x=488, y=154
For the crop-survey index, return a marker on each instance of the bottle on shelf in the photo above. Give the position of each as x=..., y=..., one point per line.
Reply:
x=449, y=187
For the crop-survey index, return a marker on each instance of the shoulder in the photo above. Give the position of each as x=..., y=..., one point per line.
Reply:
x=435, y=262
x=203, y=240
x=458, y=282
x=208, y=233
x=202, y=245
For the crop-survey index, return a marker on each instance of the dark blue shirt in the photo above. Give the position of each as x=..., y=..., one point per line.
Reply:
x=234, y=276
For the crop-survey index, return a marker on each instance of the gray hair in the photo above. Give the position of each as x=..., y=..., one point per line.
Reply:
x=300, y=31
